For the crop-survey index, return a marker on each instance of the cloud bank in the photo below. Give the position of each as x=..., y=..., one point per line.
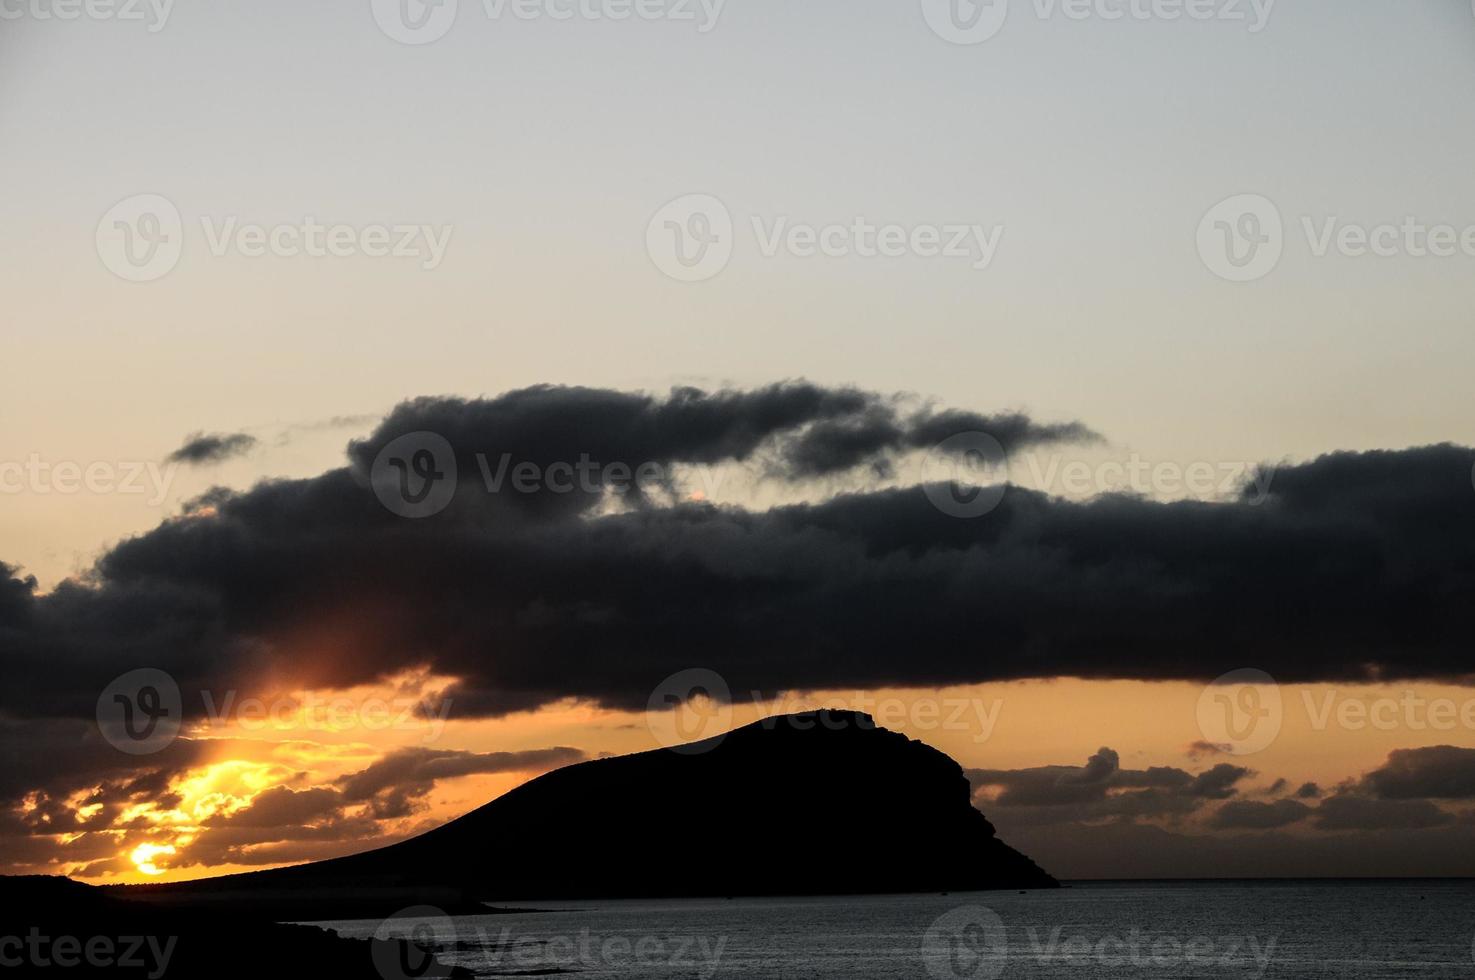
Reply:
x=1355, y=566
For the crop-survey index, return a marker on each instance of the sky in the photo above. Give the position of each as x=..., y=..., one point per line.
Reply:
x=1077, y=173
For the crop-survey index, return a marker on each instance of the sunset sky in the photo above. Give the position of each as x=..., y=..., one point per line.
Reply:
x=1204, y=475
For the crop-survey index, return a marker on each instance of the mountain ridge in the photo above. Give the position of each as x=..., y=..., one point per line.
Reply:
x=821, y=802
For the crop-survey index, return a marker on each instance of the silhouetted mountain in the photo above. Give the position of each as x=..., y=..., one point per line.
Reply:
x=817, y=803
x=70, y=929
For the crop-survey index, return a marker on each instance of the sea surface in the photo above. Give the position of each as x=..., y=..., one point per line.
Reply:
x=1293, y=930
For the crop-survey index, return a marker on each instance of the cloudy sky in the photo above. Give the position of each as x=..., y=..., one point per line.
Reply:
x=1197, y=289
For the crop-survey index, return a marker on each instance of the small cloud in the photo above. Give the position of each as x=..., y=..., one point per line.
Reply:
x=1201, y=748
x=1308, y=791
x=202, y=449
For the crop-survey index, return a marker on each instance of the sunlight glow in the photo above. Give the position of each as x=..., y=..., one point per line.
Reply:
x=143, y=856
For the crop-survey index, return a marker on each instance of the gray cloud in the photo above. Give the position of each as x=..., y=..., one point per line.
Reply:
x=1349, y=812
x=201, y=448
x=1254, y=815
x=1443, y=772
x=533, y=598
x=1103, y=789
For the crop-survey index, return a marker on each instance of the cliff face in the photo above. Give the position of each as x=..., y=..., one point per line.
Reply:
x=822, y=802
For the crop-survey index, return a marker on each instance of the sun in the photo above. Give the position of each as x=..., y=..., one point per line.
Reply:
x=143, y=857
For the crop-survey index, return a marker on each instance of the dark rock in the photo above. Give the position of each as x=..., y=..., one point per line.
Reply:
x=65, y=928
x=816, y=803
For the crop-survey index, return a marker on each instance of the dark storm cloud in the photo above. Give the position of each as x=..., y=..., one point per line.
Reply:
x=202, y=448
x=1103, y=789
x=422, y=767
x=1308, y=791
x=1346, y=811
x=874, y=435
x=1354, y=566
x=794, y=431
x=1254, y=815
x=282, y=806
x=1442, y=772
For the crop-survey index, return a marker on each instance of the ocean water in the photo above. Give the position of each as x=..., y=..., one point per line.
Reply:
x=1291, y=930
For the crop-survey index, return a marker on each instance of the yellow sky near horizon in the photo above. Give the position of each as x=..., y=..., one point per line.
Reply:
x=1328, y=734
